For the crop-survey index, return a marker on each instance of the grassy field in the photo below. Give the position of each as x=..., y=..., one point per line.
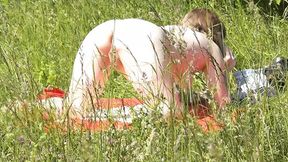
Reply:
x=38, y=43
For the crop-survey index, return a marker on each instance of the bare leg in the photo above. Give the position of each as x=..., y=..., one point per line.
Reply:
x=91, y=68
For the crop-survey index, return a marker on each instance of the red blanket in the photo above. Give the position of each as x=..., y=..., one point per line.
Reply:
x=119, y=112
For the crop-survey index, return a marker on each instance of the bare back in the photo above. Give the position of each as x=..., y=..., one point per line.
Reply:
x=149, y=58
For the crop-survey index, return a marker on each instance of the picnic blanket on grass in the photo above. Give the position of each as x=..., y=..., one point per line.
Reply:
x=117, y=112
x=252, y=84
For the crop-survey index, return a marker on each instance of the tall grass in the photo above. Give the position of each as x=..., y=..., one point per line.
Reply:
x=38, y=43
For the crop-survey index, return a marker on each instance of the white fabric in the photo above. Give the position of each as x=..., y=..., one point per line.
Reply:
x=254, y=82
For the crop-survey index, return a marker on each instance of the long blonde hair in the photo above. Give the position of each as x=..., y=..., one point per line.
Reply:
x=206, y=21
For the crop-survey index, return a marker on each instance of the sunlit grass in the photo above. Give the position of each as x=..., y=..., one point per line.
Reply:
x=38, y=43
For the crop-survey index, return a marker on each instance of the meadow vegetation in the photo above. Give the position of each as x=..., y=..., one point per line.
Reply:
x=39, y=41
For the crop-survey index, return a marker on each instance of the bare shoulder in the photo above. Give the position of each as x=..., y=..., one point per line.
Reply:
x=179, y=35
